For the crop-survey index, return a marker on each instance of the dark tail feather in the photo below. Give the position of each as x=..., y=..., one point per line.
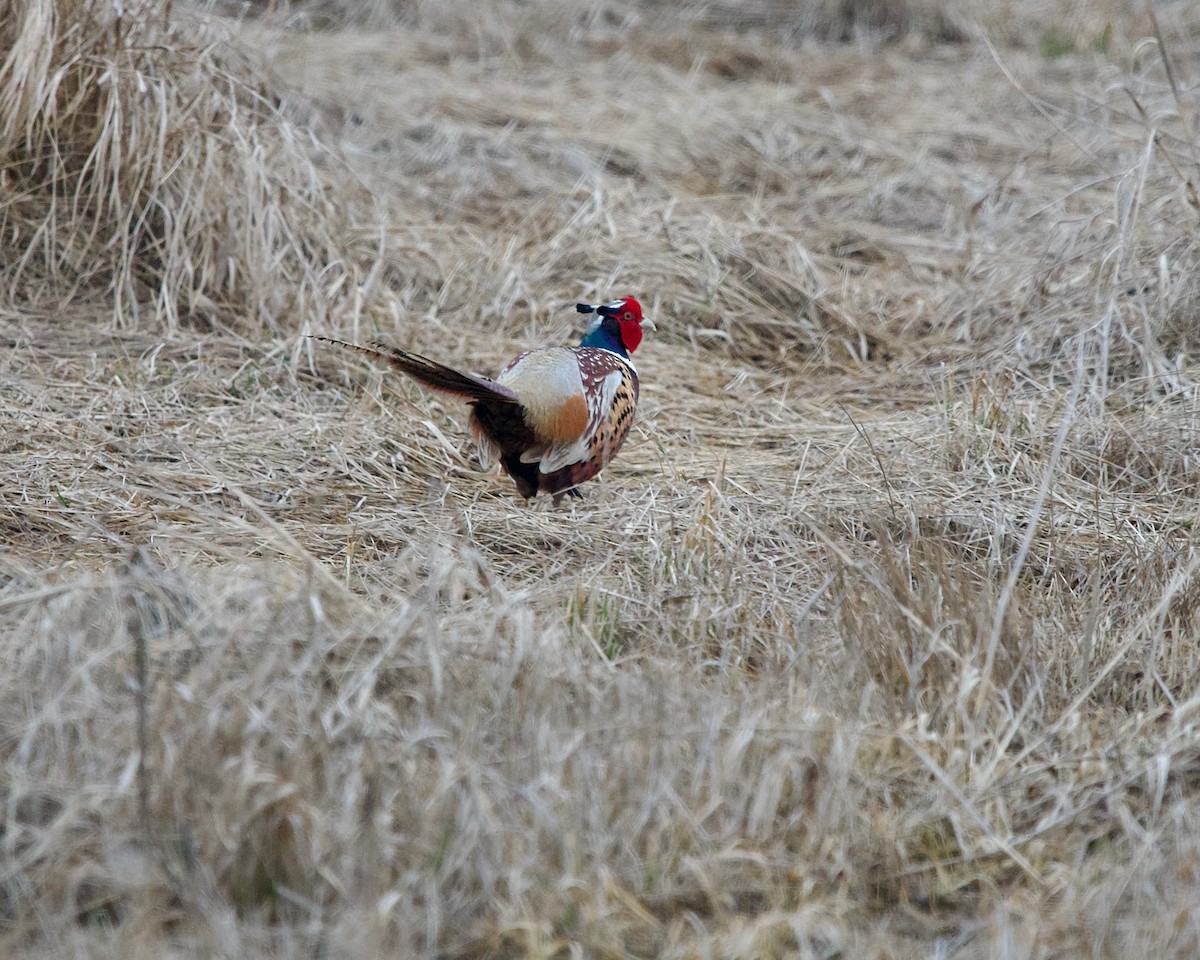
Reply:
x=434, y=375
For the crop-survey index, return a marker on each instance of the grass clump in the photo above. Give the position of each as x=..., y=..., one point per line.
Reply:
x=146, y=165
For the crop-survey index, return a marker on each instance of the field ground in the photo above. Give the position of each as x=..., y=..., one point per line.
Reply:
x=879, y=639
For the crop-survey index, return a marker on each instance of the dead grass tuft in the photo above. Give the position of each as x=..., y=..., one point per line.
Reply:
x=122, y=130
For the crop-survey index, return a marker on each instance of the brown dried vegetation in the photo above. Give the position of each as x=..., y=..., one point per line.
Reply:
x=878, y=640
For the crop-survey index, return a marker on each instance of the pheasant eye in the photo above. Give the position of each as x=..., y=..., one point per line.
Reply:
x=627, y=315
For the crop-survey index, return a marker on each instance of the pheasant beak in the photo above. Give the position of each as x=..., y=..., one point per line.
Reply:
x=648, y=324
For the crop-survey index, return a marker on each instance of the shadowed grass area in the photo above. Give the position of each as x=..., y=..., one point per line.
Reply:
x=877, y=640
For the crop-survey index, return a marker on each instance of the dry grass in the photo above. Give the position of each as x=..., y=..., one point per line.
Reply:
x=121, y=132
x=878, y=640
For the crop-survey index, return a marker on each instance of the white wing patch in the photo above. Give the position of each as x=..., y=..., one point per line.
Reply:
x=599, y=403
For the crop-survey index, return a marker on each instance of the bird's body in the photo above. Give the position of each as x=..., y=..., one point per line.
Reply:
x=555, y=416
x=578, y=405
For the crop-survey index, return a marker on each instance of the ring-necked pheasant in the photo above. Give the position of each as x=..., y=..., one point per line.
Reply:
x=555, y=416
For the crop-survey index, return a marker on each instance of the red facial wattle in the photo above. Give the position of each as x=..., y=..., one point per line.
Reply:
x=629, y=316
x=631, y=333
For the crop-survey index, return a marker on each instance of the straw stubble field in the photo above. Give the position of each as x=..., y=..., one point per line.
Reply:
x=879, y=639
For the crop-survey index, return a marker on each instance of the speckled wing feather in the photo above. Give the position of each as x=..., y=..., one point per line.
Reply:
x=611, y=389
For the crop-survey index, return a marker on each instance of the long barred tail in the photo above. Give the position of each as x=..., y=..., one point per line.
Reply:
x=434, y=375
